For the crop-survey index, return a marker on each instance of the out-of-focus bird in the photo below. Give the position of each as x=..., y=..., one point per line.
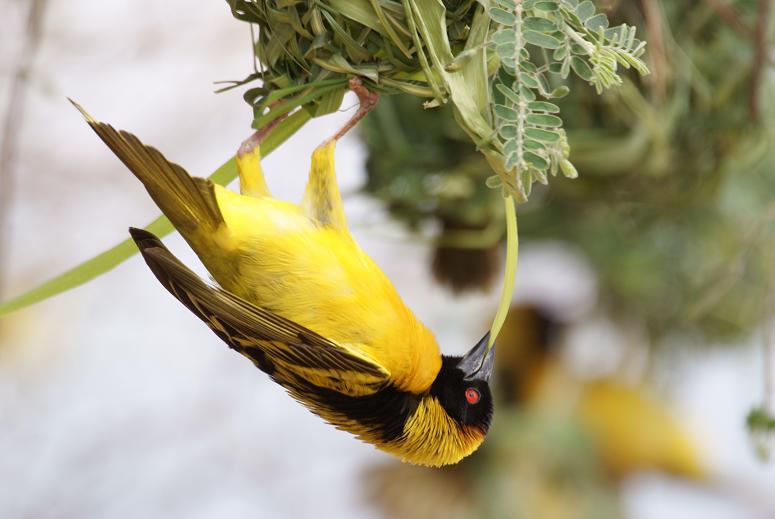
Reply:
x=631, y=429
x=300, y=298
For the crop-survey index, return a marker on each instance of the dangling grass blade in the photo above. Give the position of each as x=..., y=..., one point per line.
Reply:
x=88, y=270
x=512, y=254
x=114, y=256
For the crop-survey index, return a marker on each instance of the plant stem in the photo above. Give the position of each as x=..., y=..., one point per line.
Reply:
x=730, y=15
x=512, y=255
x=576, y=37
x=760, y=51
x=522, y=105
x=659, y=64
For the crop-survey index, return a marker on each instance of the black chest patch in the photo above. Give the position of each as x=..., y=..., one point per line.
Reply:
x=384, y=412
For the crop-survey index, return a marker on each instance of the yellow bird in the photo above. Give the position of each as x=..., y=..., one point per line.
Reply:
x=632, y=430
x=298, y=297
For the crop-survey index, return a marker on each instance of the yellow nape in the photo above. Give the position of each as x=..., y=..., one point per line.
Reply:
x=433, y=439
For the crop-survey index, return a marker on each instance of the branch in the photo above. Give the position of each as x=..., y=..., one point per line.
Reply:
x=659, y=65
x=760, y=51
x=731, y=16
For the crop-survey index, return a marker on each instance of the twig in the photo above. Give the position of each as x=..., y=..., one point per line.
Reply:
x=760, y=50
x=730, y=15
x=659, y=66
x=14, y=119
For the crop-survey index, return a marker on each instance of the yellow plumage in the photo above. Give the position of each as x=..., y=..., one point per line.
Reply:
x=308, y=306
x=632, y=429
x=635, y=432
x=301, y=262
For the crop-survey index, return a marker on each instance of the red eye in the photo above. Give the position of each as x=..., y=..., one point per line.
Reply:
x=472, y=396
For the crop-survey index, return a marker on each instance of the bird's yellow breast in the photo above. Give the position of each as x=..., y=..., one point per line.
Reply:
x=273, y=255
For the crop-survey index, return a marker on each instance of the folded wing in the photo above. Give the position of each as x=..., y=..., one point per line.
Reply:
x=291, y=354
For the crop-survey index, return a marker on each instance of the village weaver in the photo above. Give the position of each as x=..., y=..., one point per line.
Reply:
x=297, y=296
x=631, y=428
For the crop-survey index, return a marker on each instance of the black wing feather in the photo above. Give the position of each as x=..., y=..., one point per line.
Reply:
x=274, y=343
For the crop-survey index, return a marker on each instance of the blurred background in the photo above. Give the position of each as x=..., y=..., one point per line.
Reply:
x=633, y=353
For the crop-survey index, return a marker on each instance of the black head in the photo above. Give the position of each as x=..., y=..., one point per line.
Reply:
x=462, y=386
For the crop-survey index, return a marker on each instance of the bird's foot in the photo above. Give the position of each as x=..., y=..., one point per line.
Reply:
x=255, y=140
x=367, y=100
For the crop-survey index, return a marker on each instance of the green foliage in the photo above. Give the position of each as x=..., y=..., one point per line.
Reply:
x=307, y=50
x=761, y=426
x=490, y=60
x=672, y=207
x=538, y=44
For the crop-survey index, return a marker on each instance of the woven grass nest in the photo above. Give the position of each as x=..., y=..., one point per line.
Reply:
x=497, y=62
x=306, y=42
x=306, y=50
x=309, y=42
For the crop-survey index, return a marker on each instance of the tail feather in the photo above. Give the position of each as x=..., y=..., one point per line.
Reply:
x=188, y=202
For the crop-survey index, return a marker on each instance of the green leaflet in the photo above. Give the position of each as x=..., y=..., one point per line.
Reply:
x=538, y=44
x=116, y=255
x=92, y=268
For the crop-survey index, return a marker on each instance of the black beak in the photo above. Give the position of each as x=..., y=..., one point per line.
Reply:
x=475, y=365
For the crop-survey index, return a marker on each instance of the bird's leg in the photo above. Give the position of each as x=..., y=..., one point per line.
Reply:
x=251, y=175
x=322, y=201
x=367, y=101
